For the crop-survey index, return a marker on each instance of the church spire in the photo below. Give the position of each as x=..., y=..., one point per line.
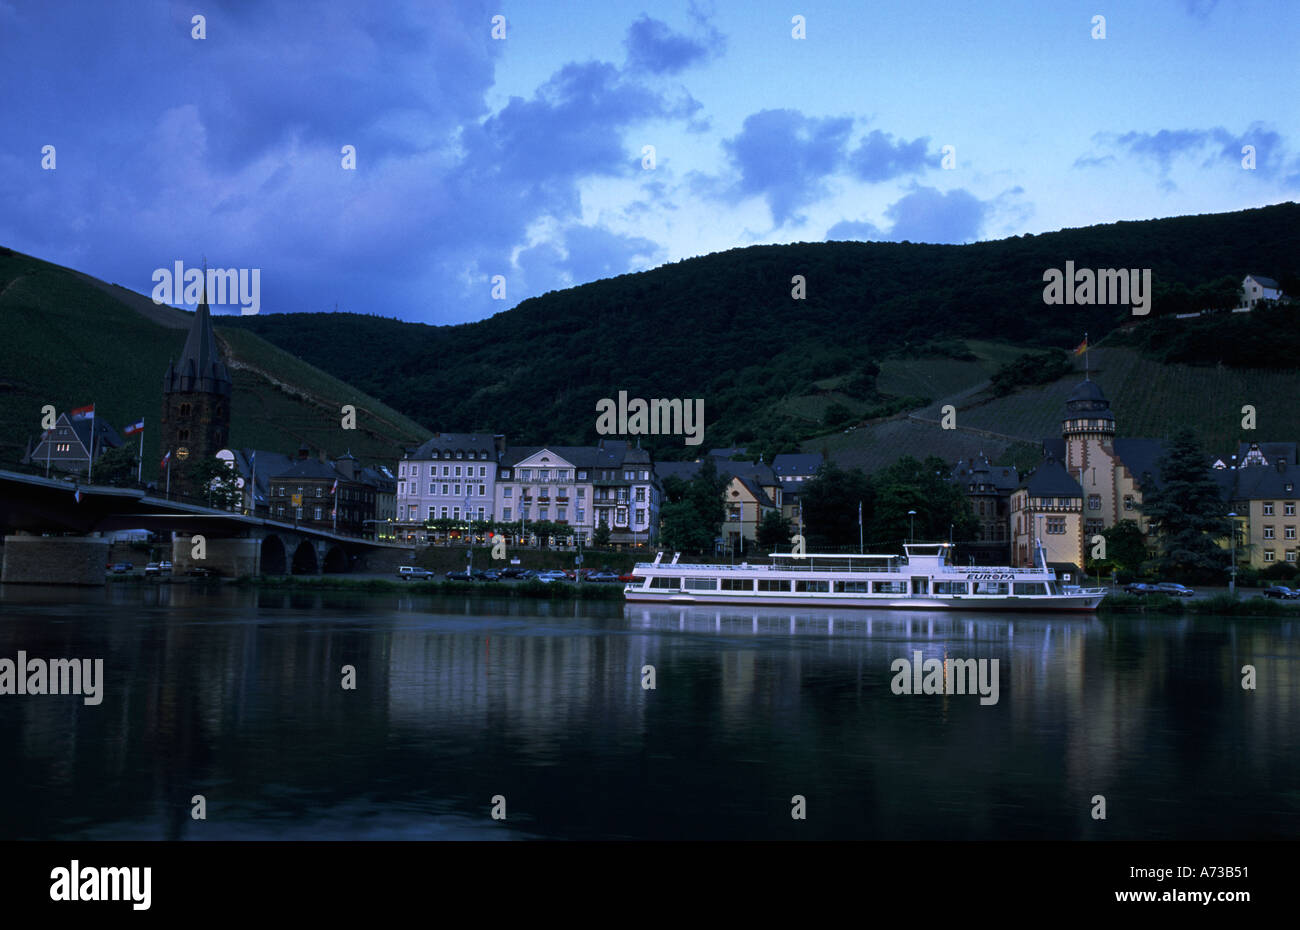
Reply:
x=200, y=367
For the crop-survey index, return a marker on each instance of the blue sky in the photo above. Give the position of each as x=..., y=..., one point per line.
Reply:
x=523, y=158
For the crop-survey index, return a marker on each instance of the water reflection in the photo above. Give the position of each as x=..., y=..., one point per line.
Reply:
x=236, y=695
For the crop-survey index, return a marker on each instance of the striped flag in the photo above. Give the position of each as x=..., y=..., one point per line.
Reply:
x=336, y=486
x=135, y=427
x=83, y=412
x=1081, y=347
x=165, y=458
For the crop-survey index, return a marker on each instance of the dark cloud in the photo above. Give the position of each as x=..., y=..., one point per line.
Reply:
x=653, y=47
x=926, y=214
x=785, y=156
x=879, y=158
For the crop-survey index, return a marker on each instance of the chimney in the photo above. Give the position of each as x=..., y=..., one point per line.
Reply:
x=303, y=452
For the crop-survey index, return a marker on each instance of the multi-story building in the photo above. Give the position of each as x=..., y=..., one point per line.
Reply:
x=611, y=484
x=452, y=476
x=1265, y=498
x=753, y=490
x=1111, y=474
x=988, y=489
x=337, y=496
x=68, y=447
x=1048, y=507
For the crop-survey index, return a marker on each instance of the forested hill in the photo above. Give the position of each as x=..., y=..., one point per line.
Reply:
x=724, y=326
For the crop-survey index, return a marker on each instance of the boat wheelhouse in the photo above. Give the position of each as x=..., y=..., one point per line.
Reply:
x=923, y=577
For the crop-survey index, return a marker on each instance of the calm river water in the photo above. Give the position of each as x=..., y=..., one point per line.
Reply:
x=236, y=695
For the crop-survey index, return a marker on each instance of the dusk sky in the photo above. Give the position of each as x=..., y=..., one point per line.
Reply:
x=522, y=156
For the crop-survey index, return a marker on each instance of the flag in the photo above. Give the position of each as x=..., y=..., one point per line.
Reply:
x=133, y=428
x=77, y=494
x=163, y=463
x=336, y=486
x=1081, y=347
x=83, y=412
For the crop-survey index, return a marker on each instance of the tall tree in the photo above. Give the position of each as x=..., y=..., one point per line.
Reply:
x=942, y=509
x=692, y=522
x=774, y=531
x=830, y=506
x=1189, y=516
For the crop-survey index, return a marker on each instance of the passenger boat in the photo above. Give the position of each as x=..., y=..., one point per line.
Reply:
x=923, y=577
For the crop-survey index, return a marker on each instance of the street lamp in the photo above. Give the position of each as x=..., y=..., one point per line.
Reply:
x=912, y=534
x=1232, y=569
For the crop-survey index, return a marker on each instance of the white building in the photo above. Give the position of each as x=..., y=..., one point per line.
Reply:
x=452, y=476
x=1257, y=287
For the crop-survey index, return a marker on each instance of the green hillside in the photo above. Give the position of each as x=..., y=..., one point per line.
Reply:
x=724, y=328
x=1149, y=399
x=69, y=340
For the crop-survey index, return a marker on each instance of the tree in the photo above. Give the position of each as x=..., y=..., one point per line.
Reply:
x=691, y=524
x=830, y=506
x=773, y=531
x=1188, y=513
x=837, y=414
x=1126, y=548
x=942, y=509
x=117, y=466
x=600, y=538
x=217, y=482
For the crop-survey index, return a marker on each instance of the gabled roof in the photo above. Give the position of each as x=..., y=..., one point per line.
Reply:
x=1050, y=479
x=311, y=468
x=266, y=466
x=797, y=463
x=104, y=433
x=1266, y=482
x=1264, y=282
x=1141, y=456
x=753, y=487
x=683, y=470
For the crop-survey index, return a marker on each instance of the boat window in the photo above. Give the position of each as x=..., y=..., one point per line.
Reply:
x=737, y=584
x=701, y=584
x=889, y=587
x=823, y=587
x=950, y=587
x=661, y=582
x=852, y=587
x=768, y=584
x=991, y=587
x=1030, y=587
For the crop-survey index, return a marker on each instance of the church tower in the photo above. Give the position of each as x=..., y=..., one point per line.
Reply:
x=195, y=422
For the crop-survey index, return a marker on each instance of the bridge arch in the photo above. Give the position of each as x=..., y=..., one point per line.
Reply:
x=275, y=560
x=304, y=559
x=336, y=560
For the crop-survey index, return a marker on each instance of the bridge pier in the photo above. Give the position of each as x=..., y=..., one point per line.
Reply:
x=229, y=558
x=32, y=559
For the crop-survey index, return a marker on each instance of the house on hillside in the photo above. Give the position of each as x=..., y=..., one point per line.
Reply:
x=1265, y=497
x=71, y=444
x=988, y=489
x=753, y=491
x=1256, y=287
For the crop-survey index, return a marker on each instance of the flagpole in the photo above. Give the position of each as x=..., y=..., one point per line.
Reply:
x=169, y=474
x=1087, y=369
x=49, y=443
x=139, y=465
x=90, y=466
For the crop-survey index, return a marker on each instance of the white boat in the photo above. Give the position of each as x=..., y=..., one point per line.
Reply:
x=923, y=578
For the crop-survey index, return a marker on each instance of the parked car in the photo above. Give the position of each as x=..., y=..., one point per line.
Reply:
x=1175, y=590
x=603, y=576
x=152, y=568
x=550, y=576
x=526, y=574
x=413, y=572
x=1282, y=591
x=1137, y=587
x=490, y=575
x=121, y=568
x=459, y=576
x=510, y=572
x=629, y=577
x=201, y=572
x=165, y=567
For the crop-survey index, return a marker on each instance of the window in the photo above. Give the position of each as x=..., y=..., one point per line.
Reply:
x=482, y=490
x=456, y=489
x=525, y=474
x=1093, y=527
x=667, y=583
x=852, y=587
x=185, y=410
x=950, y=587
x=507, y=493
x=415, y=471
x=445, y=487
x=455, y=513
x=560, y=514
x=431, y=509
x=1062, y=502
x=459, y=454
x=1030, y=587
x=1288, y=509
x=629, y=475
x=446, y=471
x=482, y=471
x=990, y=587
x=505, y=474
x=640, y=495
x=815, y=587
x=889, y=587
x=1268, y=533
x=582, y=515
x=645, y=474
x=1268, y=555
x=1290, y=555
x=737, y=584
x=1056, y=526
x=1094, y=502
x=582, y=476
x=769, y=584
x=543, y=513
x=317, y=514
x=444, y=513
x=1129, y=502
x=457, y=471
x=981, y=508
x=1289, y=532
x=640, y=517
x=1268, y=508
x=297, y=513
x=701, y=584
x=505, y=514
